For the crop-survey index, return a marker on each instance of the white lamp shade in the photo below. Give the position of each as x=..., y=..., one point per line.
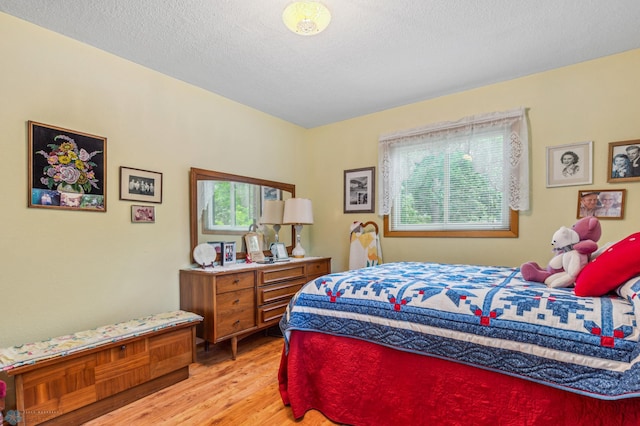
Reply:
x=273, y=211
x=297, y=211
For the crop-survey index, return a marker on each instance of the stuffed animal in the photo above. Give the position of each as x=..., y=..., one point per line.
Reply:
x=589, y=232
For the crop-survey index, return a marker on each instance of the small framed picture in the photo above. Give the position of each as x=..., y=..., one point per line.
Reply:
x=624, y=161
x=219, y=248
x=570, y=164
x=229, y=253
x=140, y=185
x=143, y=214
x=602, y=203
x=359, y=190
x=253, y=241
x=279, y=252
x=67, y=169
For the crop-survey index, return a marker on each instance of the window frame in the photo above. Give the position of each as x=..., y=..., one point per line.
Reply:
x=512, y=232
x=516, y=180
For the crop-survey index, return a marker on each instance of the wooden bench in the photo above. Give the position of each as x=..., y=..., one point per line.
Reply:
x=75, y=378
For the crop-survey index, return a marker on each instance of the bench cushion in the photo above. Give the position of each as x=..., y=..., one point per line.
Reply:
x=31, y=353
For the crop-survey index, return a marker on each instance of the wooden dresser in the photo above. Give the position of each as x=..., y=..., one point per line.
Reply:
x=238, y=300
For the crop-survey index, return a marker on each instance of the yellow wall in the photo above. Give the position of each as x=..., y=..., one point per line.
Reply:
x=597, y=100
x=66, y=271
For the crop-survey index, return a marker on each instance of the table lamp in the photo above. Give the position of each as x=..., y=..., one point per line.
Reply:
x=297, y=212
x=272, y=215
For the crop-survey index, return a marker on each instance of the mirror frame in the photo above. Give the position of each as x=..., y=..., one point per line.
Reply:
x=197, y=174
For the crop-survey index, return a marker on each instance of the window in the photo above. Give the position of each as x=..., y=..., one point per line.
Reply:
x=232, y=207
x=466, y=178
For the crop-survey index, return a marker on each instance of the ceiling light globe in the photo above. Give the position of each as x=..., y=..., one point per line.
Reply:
x=306, y=17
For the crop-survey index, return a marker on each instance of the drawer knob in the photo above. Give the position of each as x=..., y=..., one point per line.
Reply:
x=235, y=302
x=123, y=347
x=236, y=281
x=237, y=323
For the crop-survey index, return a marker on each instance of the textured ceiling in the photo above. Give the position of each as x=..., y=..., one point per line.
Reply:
x=375, y=55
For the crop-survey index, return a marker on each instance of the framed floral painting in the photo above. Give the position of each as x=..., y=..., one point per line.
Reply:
x=67, y=169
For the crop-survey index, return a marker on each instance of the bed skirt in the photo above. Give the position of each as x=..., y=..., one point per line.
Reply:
x=359, y=383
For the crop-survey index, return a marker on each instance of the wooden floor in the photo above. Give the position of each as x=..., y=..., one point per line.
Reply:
x=220, y=391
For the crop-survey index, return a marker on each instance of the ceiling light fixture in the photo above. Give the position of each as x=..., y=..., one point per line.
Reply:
x=306, y=17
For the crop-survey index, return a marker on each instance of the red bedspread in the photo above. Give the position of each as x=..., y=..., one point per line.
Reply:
x=359, y=383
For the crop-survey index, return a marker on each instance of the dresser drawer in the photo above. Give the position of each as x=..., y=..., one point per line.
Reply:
x=318, y=268
x=282, y=273
x=270, y=314
x=275, y=292
x=235, y=312
x=233, y=282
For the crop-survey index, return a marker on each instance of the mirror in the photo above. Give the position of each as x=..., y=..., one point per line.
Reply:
x=223, y=207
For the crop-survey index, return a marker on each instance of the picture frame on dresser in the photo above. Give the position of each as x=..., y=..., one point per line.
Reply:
x=253, y=241
x=67, y=169
x=228, y=253
x=279, y=252
x=624, y=161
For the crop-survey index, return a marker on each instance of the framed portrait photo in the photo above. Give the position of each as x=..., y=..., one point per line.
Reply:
x=67, y=169
x=279, y=252
x=229, y=253
x=601, y=203
x=253, y=241
x=570, y=164
x=359, y=190
x=143, y=214
x=624, y=161
x=140, y=185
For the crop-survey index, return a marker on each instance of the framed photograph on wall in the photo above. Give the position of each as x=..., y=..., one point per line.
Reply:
x=601, y=203
x=624, y=161
x=67, y=169
x=140, y=185
x=143, y=214
x=570, y=164
x=359, y=190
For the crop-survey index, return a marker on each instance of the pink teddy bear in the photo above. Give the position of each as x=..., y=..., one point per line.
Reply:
x=589, y=232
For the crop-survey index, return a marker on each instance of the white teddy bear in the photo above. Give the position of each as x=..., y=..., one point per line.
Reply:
x=568, y=259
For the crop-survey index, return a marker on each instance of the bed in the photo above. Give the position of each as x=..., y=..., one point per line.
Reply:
x=428, y=343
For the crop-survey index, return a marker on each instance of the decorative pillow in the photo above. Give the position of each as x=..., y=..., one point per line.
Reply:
x=611, y=269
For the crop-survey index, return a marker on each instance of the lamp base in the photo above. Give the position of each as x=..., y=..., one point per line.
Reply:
x=298, y=252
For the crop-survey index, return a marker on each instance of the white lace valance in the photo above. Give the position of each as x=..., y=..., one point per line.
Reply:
x=450, y=136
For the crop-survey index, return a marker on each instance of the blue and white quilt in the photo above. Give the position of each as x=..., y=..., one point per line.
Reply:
x=488, y=317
